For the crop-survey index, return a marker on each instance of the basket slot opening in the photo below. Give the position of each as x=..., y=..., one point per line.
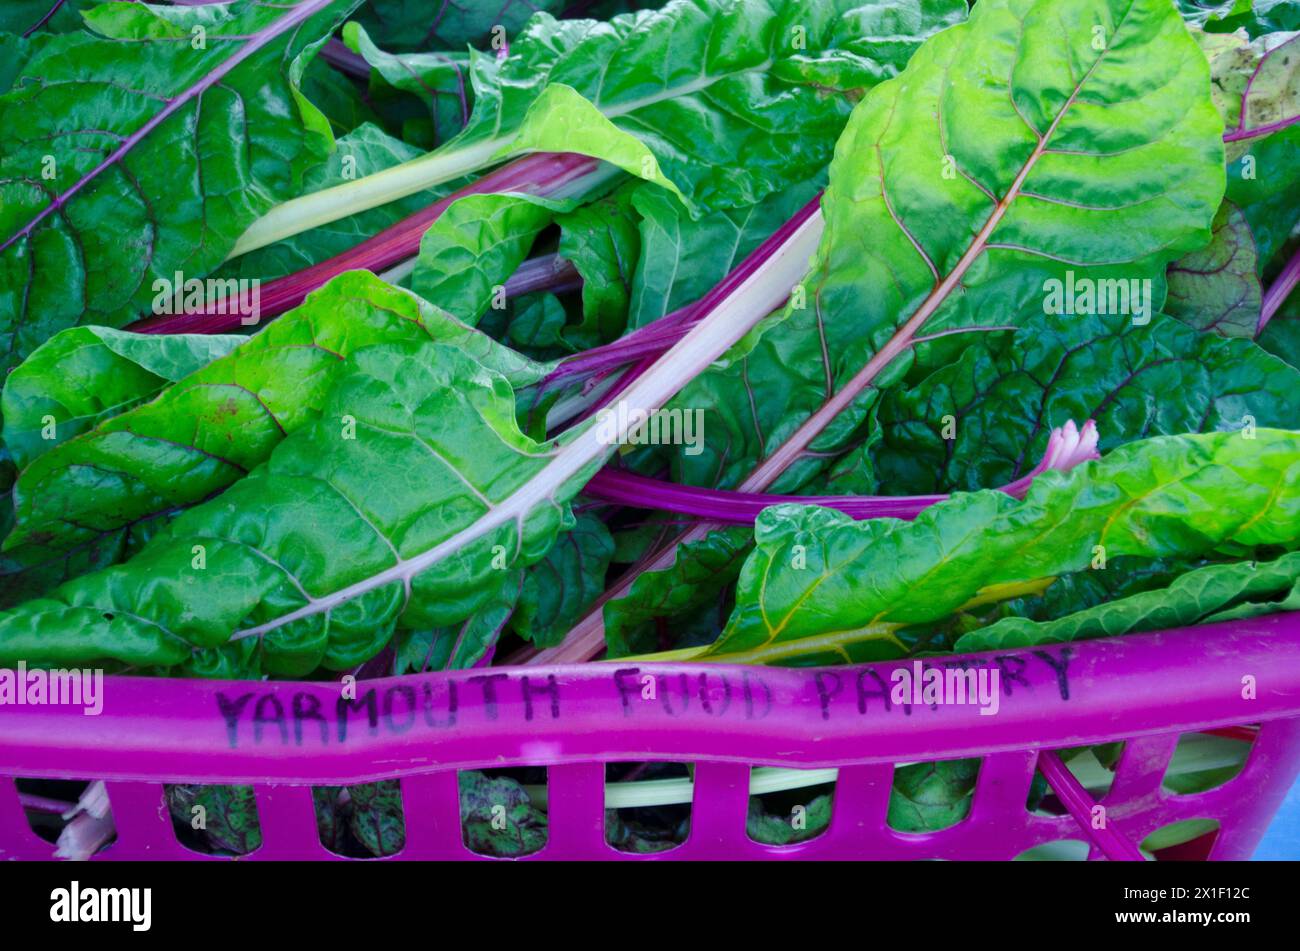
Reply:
x=74, y=815
x=1092, y=766
x=1188, y=840
x=214, y=819
x=364, y=821
x=648, y=805
x=930, y=796
x=1058, y=850
x=504, y=811
x=789, y=806
x=1205, y=761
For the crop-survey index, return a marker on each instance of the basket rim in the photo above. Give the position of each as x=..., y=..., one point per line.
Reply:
x=1056, y=696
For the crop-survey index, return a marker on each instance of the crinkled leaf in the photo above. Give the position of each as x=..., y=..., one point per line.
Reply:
x=1003, y=395
x=559, y=588
x=227, y=815
x=1215, y=592
x=821, y=587
x=375, y=817
x=462, y=645
x=1217, y=288
x=219, y=422
x=682, y=258
x=730, y=99
x=403, y=497
x=87, y=247
x=699, y=573
x=85, y=375
x=602, y=241
x=1010, y=153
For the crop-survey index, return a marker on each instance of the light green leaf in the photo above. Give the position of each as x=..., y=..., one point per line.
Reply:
x=88, y=374
x=1010, y=159
x=821, y=587
x=221, y=421
x=728, y=121
x=364, y=151
x=474, y=246
x=370, y=513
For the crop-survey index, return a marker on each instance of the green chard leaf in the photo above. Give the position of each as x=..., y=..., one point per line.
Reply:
x=52, y=16
x=364, y=151
x=700, y=572
x=460, y=646
x=129, y=467
x=419, y=25
x=85, y=375
x=1256, y=17
x=682, y=258
x=917, y=170
x=984, y=419
x=725, y=101
x=931, y=796
x=1217, y=288
x=1282, y=335
x=729, y=122
x=558, y=589
x=1212, y=593
x=475, y=245
x=481, y=797
x=428, y=95
x=821, y=587
x=144, y=149
x=770, y=829
x=373, y=510
x=966, y=194
x=1265, y=184
x=602, y=241
x=229, y=815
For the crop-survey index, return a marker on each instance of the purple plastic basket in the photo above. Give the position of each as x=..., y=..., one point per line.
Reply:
x=284, y=737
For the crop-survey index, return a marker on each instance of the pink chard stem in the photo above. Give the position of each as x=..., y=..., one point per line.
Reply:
x=1067, y=447
x=1279, y=291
